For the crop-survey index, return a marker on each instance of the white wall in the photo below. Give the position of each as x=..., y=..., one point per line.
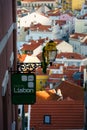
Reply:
x=81, y=25
x=39, y=34
x=37, y=50
x=64, y=47
x=68, y=62
x=76, y=44
x=84, y=50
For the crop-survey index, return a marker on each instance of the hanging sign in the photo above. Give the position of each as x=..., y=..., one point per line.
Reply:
x=23, y=88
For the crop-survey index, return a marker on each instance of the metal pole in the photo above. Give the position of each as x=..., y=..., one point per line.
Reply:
x=23, y=117
x=85, y=100
x=85, y=96
x=29, y=111
x=86, y=120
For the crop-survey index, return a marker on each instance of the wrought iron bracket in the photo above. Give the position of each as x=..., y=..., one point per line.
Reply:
x=27, y=67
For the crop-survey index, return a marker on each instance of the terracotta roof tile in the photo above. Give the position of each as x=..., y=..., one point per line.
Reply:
x=61, y=22
x=56, y=76
x=77, y=35
x=71, y=90
x=84, y=42
x=70, y=55
x=54, y=12
x=68, y=113
x=40, y=27
x=21, y=57
x=46, y=95
x=69, y=71
x=83, y=16
x=31, y=47
x=53, y=80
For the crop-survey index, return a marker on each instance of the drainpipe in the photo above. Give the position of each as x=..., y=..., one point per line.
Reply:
x=29, y=111
x=85, y=128
x=85, y=100
x=23, y=117
x=85, y=96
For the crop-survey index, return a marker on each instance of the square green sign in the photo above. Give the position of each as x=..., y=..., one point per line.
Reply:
x=23, y=88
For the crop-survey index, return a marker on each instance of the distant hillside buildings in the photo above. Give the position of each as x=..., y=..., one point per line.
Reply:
x=37, y=3
x=72, y=4
x=64, y=4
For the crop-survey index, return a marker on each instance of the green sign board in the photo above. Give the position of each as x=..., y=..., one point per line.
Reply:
x=23, y=88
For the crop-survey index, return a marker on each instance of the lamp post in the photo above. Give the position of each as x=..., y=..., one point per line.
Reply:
x=49, y=53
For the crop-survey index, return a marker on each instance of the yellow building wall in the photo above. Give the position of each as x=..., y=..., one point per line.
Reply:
x=72, y=4
x=77, y=4
x=41, y=81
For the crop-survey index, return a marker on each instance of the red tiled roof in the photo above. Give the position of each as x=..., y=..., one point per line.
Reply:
x=40, y=27
x=77, y=35
x=64, y=115
x=53, y=80
x=68, y=89
x=69, y=71
x=30, y=47
x=46, y=96
x=71, y=90
x=54, y=12
x=40, y=56
x=69, y=112
x=60, y=22
x=56, y=66
x=83, y=16
x=56, y=76
x=40, y=41
x=21, y=57
x=70, y=55
x=84, y=42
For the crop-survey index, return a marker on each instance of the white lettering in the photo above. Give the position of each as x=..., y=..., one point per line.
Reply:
x=23, y=90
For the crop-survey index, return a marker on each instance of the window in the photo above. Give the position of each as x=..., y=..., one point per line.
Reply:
x=47, y=119
x=75, y=48
x=40, y=82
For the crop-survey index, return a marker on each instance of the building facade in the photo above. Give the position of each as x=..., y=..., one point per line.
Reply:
x=37, y=3
x=78, y=42
x=72, y=4
x=81, y=26
x=8, y=111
